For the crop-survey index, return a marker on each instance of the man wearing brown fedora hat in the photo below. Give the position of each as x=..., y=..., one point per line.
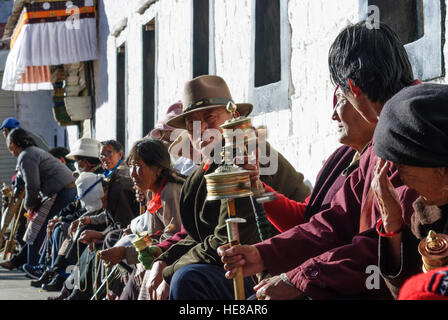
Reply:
x=194, y=259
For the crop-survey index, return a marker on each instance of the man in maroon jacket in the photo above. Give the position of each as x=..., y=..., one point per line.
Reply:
x=328, y=257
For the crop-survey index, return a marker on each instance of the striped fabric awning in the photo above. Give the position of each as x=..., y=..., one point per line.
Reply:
x=49, y=33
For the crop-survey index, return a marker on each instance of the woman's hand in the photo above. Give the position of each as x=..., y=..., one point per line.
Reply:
x=276, y=289
x=387, y=197
x=113, y=256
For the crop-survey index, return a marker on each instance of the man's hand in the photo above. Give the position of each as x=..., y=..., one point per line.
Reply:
x=113, y=256
x=139, y=274
x=237, y=256
x=251, y=164
x=163, y=291
x=276, y=289
x=155, y=279
x=85, y=220
x=89, y=237
x=127, y=232
x=51, y=224
x=73, y=227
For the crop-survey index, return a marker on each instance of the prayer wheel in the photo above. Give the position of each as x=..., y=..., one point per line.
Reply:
x=144, y=244
x=434, y=251
x=230, y=181
x=142, y=241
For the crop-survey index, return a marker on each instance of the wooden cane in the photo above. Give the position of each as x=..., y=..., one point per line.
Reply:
x=11, y=243
x=232, y=230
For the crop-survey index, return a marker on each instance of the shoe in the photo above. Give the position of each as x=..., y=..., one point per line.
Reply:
x=8, y=265
x=56, y=284
x=34, y=272
x=44, y=279
x=78, y=295
x=65, y=293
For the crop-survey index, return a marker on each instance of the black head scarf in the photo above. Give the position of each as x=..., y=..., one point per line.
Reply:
x=413, y=127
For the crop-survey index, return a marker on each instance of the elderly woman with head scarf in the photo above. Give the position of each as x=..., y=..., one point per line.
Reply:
x=412, y=134
x=152, y=172
x=49, y=186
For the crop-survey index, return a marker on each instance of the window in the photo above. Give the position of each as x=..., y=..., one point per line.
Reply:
x=201, y=37
x=267, y=42
x=121, y=96
x=149, y=65
x=404, y=17
x=270, y=58
x=418, y=23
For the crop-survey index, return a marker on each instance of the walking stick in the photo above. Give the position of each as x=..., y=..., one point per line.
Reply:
x=234, y=239
x=14, y=210
x=104, y=284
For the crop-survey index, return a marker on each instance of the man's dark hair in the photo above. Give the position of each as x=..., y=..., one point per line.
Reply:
x=20, y=138
x=59, y=152
x=117, y=146
x=374, y=59
x=114, y=144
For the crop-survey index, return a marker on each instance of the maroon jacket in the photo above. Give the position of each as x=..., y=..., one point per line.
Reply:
x=327, y=257
x=166, y=244
x=285, y=213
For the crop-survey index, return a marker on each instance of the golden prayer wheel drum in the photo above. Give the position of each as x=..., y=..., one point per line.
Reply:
x=434, y=251
x=142, y=241
x=228, y=182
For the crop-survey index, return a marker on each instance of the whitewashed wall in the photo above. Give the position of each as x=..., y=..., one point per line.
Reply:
x=304, y=132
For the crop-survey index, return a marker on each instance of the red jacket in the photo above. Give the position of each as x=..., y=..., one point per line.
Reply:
x=327, y=257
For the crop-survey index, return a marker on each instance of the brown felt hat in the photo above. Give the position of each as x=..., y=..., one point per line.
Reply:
x=206, y=92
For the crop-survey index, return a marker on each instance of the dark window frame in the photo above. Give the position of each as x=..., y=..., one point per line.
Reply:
x=121, y=95
x=274, y=96
x=426, y=53
x=201, y=28
x=149, y=65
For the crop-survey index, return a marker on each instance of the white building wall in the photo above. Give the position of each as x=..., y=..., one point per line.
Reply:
x=304, y=133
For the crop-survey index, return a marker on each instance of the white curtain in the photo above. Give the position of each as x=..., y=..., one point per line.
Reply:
x=48, y=44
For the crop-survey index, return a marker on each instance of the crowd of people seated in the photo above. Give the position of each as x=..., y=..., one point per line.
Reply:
x=102, y=224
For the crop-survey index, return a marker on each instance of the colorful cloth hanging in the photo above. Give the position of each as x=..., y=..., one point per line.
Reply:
x=47, y=34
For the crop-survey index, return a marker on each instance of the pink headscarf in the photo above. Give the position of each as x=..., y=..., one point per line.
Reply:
x=173, y=111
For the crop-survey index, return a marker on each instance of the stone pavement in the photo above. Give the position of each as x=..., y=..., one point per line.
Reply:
x=14, y=285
